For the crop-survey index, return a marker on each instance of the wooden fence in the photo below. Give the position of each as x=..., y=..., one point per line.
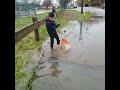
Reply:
x=28, y=29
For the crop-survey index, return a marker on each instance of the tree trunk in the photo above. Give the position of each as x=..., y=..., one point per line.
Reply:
x=82, y=7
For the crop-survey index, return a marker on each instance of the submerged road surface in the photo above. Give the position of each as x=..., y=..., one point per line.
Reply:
x=83, y=66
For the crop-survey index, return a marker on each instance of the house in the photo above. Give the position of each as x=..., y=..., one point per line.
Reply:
x=96, y=2
x=92, y=2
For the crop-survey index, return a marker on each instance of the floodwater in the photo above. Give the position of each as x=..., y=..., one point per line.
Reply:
x=80, y=68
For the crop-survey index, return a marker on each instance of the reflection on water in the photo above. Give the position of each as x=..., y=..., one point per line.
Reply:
x=71, y=76
x=81, y=23
x=55, y=70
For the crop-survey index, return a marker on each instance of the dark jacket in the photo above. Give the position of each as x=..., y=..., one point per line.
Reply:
x=53, y=11
x=51, y=26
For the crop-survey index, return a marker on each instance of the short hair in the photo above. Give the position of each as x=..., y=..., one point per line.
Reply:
x=51, y=14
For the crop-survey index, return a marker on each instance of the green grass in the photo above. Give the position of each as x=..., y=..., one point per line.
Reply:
x=24, y=49
x=22, y=22
x=75, y=15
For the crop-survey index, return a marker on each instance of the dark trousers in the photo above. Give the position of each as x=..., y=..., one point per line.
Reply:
x=52, y=39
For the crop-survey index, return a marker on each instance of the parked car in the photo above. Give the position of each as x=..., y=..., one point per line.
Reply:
x=75, y=7
x=86, y=5
x=103, y=6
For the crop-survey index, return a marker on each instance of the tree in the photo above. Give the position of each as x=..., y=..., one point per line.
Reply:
x=80, y=3
x=63, y=3
x=92, y=2
x=47, y=3
x=82, y=7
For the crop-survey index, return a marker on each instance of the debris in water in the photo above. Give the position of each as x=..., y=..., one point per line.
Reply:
x=65, y=31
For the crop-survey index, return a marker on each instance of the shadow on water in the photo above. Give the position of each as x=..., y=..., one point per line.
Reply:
x=55, y=70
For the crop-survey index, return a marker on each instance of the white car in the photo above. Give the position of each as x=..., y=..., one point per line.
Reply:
x=103, y=5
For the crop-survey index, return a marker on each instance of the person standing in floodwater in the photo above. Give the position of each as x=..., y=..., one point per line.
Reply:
x=53, y=10
x=51, y=29
x=55, y=14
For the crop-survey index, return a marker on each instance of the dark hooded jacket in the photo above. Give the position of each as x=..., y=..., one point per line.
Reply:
x=51, y=26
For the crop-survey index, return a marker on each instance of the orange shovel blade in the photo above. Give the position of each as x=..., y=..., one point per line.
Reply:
x=64, y=41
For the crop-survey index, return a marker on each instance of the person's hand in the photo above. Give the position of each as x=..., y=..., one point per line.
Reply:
x=58, y=25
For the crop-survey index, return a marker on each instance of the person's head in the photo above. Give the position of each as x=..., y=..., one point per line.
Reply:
x=51, y=16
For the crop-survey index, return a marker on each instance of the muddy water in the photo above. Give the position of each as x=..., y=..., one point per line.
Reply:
x=80, y=68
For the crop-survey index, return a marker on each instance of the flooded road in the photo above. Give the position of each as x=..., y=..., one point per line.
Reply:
x=87, y=43
x=82, y=67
